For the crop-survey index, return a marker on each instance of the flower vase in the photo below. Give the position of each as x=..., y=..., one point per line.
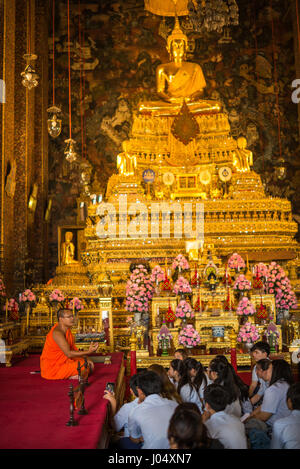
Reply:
x=247, y=347
x=137, y=317
x=164, y=347
x=183, y=322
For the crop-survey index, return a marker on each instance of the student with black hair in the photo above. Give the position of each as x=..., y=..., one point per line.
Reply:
x=279, y=375
x=286, y=431
x=226, y=428
x=150, y=420
x=193, y=382
x=169, y=390
x=187, y=431
x=221, y=373
x=260, y=350
x=176, y=371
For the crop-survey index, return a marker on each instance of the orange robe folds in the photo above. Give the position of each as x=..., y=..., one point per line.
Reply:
x=54, y=363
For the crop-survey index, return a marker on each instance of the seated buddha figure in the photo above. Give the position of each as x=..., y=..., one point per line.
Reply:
x=179, y=79
x=68, y=250
x=243, y=158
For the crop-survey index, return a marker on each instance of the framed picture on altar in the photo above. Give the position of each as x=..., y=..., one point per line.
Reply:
x=71, y=243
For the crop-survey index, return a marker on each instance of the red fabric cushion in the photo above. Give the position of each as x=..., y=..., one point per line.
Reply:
x=34, y=411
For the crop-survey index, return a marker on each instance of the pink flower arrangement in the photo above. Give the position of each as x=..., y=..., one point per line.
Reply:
x=139, y=290
x=28, y=295
x=157, y=274
x=180, y=263
x=164, y=335
x=184, y=310
x=245, y=307
x=242, y=284
x=56, y=295
x=236, y=262
x=12, y=305
x=189, y=337
x=2, y=288
x=182, y=286
x=76, y=303
x=279, y=285
x=248, y=334
x=261, y=269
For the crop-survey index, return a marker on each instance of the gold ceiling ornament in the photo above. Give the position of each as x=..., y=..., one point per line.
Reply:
x=167, y=7
x=185, y=127
x=53, y=123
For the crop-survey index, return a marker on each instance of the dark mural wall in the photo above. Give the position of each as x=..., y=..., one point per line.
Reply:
x=121, y=46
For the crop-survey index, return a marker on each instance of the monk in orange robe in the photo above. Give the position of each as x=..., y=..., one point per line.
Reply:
x=60, y=357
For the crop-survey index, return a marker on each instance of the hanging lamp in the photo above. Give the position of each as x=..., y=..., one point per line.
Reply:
x=54, y=123
x=30, y=77
x=70, y=152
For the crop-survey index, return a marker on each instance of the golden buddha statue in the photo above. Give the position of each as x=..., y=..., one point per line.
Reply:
x=68, y=250
x=242, y=158
x=178, y=81
x=126, y=163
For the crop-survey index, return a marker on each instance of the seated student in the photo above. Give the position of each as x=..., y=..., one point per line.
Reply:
x=286, y=431
x=220, y=372
x=181, y=354
x=169, y=390
x=60, y=357
x=186, y=430
x=259, y=351
x=149, y=421
x=176, y=371
x=121, y=417
x=278, y=374
x=226, y=428
x=193, y=382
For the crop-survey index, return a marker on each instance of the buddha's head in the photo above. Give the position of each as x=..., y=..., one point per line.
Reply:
x=177, y=42
x=242, y=143
x=69, y=236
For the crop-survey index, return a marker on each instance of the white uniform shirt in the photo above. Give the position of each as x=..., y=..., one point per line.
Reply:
x=189, y=394
x=228, y=429
x=286, y=432
x=274, y=402
x=234, y=408
x=121, y=417
x=150, y=420
x=263, y=384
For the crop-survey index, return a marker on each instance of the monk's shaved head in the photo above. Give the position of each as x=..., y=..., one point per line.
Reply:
x=62, y=312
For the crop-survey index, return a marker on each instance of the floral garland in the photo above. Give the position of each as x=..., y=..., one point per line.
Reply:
x=236, y=262
x=242, y=283
x=56, y=295
x=245, y=307
x=180, y=262
x=76, y=303
x=28, y=296
x=13, y=308
x=184, y=310
x=279, y=284
x=182, y=286
x=157, y=274
x=139, y=290
x=189, y=337
x=248, y=334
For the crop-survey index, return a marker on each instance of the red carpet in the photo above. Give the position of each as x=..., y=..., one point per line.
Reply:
x=34, y=411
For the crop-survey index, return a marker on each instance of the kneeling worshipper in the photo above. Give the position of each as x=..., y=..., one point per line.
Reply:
x=60, y=357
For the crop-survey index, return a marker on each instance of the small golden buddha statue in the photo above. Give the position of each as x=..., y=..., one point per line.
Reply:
x=126, y=163
x=243, y=158
x=68, y=250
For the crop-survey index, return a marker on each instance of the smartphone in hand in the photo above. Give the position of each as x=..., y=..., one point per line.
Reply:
x=110, y=387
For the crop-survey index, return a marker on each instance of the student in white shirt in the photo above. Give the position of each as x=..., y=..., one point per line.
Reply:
x=286, y=431
x=226, y=428
x=279, y=375
x=259, y=351
x=121, y=417
x=149, y=422
x=193, y=382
